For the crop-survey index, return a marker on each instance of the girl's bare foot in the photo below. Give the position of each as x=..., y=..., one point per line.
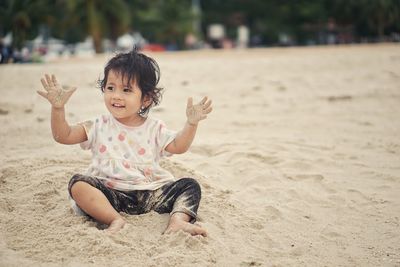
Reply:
x=179, y=221
x=187, y=227
x=115, y=226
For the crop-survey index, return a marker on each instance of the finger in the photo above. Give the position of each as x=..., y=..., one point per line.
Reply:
x=203, y=100
x=49, y=81
x=54, y=80
x=43, y=94
x=207, y=104
x=203, y=117
x=44, y=84
x=189, y=102
x=208, y=110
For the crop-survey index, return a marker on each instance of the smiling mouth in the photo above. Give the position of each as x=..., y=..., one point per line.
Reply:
x=116, y=105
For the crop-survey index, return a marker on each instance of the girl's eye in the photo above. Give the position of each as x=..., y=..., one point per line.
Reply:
x=110, y=88
x=127, y=90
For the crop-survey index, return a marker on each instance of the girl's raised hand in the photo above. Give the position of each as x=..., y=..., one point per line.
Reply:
x=56, y=94
x=197, y=112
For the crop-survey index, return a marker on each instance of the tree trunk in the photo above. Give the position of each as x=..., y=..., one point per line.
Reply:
x=381, y=27
x=94, y=26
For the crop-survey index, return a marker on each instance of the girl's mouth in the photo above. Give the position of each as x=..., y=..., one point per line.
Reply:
x=116, y=105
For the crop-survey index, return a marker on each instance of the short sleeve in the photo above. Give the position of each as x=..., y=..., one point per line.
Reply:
x=89, y=127
x=163, y=138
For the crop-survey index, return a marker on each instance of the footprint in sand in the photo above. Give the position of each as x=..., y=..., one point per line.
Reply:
x=317, y=178
x=357, y=196
x=7, y=205
x=3, y=111
x=250, y=263
x=272, y=213
x=299, y=165
x=264, y=159
x=258, y=157
x=339, y=98
x=302, y=177
x=337, y=199
x=207, y=151
x=330, y=235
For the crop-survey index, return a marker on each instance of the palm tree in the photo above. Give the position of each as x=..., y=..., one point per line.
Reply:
x=371, y=17
x=162, y=21
x=100, y=18
x=22, y=18
x=381, y=14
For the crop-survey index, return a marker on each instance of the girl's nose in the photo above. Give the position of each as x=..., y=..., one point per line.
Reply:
x=116, y=95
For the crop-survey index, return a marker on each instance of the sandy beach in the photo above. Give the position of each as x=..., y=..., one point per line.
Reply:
x=299, y=162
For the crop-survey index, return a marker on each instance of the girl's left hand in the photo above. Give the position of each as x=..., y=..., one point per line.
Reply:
x=197, y=112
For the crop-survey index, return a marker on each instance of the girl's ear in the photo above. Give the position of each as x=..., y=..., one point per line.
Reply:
x=146, y=101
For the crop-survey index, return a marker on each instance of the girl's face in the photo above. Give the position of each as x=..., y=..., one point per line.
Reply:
x=124, y=100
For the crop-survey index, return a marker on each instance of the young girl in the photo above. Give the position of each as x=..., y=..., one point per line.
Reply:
x=126, y=145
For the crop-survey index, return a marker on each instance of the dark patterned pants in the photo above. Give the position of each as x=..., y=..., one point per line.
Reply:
x=179, y=196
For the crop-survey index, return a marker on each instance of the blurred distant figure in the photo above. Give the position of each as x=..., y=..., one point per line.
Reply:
x=191, y=41
x=6, y=52
x=331, y=32
x=255, y=40
x=227, y=43
x=127, y=41
x=243, y=36
x=285, y=39
x=216, y=35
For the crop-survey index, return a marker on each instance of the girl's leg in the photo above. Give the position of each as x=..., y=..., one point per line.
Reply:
x=181, y=199
x=94, y=202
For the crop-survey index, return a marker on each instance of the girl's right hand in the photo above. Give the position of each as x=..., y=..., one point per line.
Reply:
x=56, y=94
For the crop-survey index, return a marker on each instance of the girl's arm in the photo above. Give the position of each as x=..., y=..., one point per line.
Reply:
x=194, y=113
x=58, y=96
x=63, y=133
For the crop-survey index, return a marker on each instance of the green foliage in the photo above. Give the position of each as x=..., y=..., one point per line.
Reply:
x=369, y=17
x=162, y=21
x=97, y=18
x=304, y=19
x=22, y=18
x=169, y=21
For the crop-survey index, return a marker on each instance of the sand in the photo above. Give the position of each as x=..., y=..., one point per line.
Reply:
x=299, y=162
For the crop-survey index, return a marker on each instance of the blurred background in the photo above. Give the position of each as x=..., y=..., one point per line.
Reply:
x=41, y=30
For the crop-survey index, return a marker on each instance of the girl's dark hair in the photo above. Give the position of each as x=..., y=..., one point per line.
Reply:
x=140, y=68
